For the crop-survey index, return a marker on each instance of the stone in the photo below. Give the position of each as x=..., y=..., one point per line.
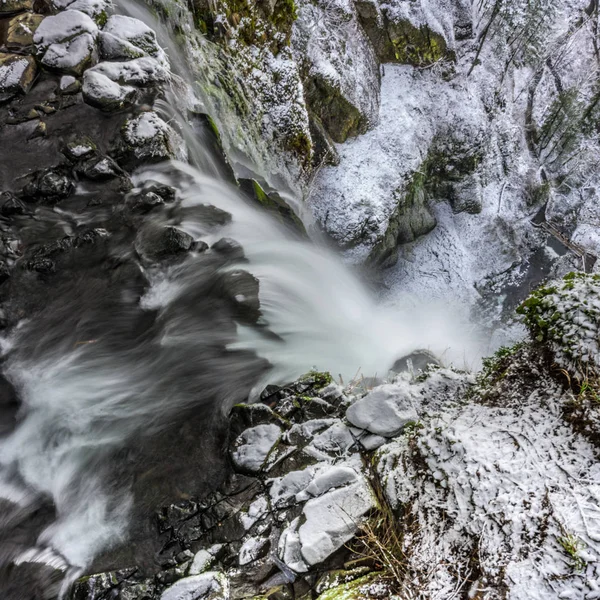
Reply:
x=49, y=186
x=101, y=92
x=79, y=148
x=67, y=42
x=21, y=29
x=147, y=138
x=69, y=85
x=206, y=586
x=326, y=524
x=229, y=247
x=253, y=549
x=385, y=411
x=73, y=56
x=15, y=6
x=159, y=243
x=126, y=38
x=145, y=202
x=17, y=74
x=142, y=71
x=10, y=205
x=101, y=169
x=252, y=448
x=134, y=32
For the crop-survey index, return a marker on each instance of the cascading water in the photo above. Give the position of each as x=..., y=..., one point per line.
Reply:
x=114, y=367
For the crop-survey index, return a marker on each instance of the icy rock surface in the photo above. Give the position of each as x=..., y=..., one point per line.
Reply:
x=385, y=411
x=253, y=447
x=207, y=586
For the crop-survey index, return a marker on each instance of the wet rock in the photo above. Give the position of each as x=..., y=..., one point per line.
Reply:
x=145, y=202
x=17, y=74
x=384, y=411
x=416, y=361
x=252, y=448
x=49, y=186
x=95, y=587
x=67, y=42
x=273, y=203
x=146, y=138
x=243, y=416
x=10, y=205
x=21, y=29
x=102, y=92
x=240, y=288
x=229, y=248
x=158, y=243
x=101, y=169
x=15, y=6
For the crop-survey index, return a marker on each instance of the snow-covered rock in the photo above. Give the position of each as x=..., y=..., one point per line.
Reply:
x=125, y=37
x=137, y=71
x=16, y=74
x=99, y=90
x=148, y=137
x=67, y=41
x=253, y=447
x=385, y=411
x=207, y=586
x=328, y=522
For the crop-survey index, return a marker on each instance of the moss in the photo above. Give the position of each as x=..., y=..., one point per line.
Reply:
x=495, y=367
x=352, y=590
x=317, y=379
x=273, y=203
x=418, y=46
x=340, y=118
x=284, y=15
x=566, y=318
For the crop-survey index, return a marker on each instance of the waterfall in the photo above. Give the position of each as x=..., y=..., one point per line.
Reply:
x=113, y=366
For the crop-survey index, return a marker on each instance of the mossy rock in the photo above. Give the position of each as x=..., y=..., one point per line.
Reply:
x=353, y=590
x=411, y=219
x=208, y=131
x=565, y=318
x=273, y=203
x=418, y=46
x=340, y=118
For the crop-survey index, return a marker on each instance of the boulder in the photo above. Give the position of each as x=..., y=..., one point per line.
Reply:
x=141, y=71
x=15, y=6
x=17, y=74
x=327, y=523
x=252, y=448
x=49, y=186
x=158, y=243
x=125, y=38
x=67, y=42
x=103, y=93
x=385, y=411
x=146, y=138
x=21, y=30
